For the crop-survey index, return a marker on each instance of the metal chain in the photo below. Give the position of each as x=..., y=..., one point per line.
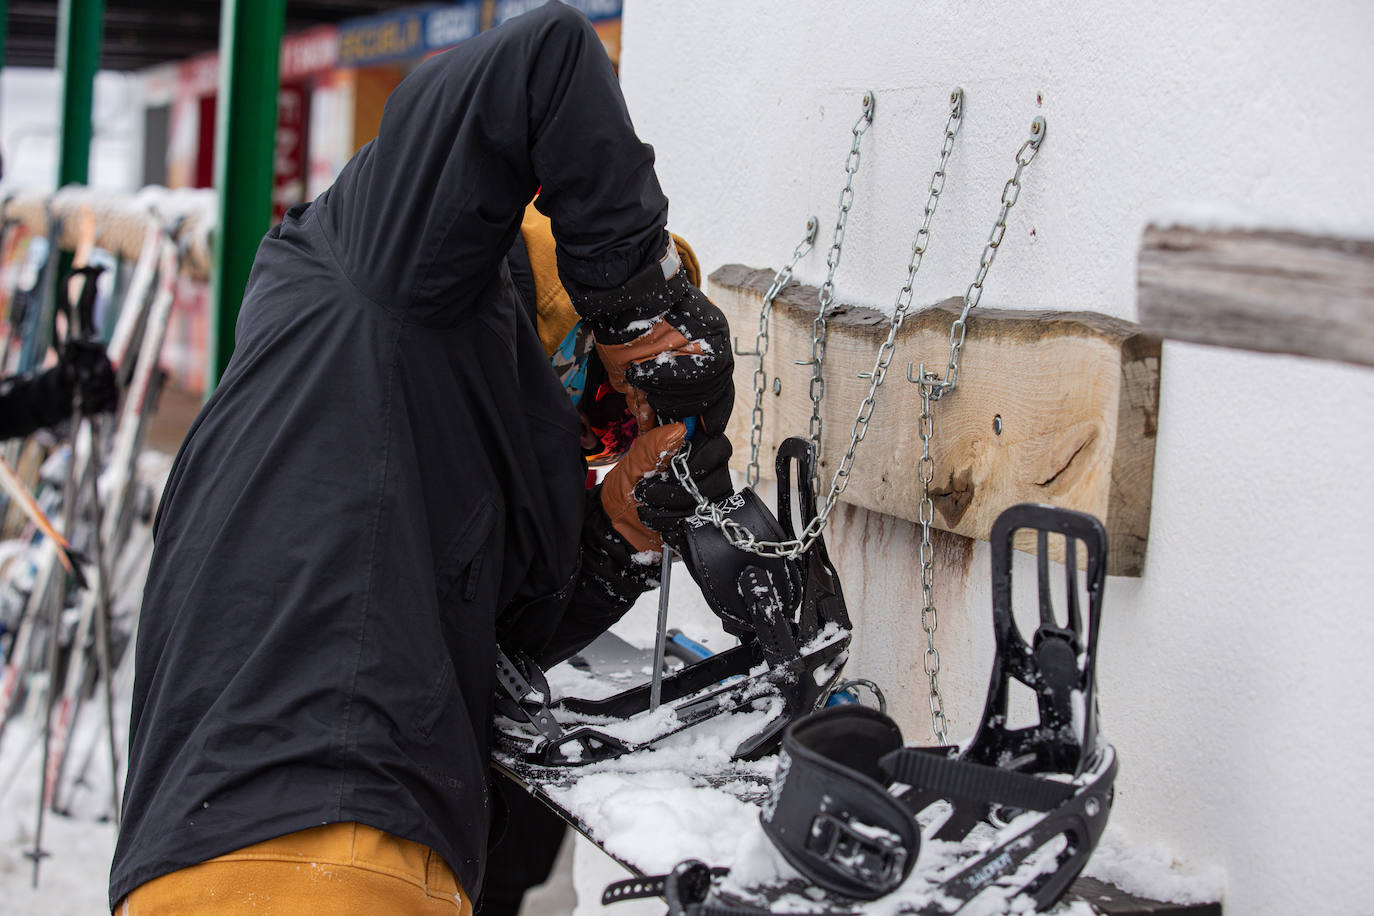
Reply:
x=1011, y=191
x=740, y=536
x=781, y=279
x=827, y=293
x=932, y=389
x=925, y=469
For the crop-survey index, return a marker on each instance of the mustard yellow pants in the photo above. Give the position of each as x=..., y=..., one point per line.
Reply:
x=335, y=869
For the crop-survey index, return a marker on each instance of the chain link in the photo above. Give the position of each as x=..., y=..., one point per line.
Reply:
x=930, y=622
x=1011, y=191
x=780, y=279
x=932, y=389
x=740, y=536
x=827, y=293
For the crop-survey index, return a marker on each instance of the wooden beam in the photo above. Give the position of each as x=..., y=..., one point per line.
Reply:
x=1278, y=292
x=1074, y=394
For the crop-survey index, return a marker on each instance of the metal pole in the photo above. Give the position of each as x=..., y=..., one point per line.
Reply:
x=80, y=25
x=245, y=142
x=102, y=616
x=661, y=637
x=79, y=29
x=4, y=29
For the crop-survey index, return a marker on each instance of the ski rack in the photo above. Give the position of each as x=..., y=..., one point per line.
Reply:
x=1059, y=766
x=794, y=633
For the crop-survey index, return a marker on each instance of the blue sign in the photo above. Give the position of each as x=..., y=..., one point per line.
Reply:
x=407, y=33
x=592, y=9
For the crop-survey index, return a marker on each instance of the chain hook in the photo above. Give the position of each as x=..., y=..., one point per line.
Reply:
x=736, y=534
x=780, y=279
x=826, y=296
x=1032, y=144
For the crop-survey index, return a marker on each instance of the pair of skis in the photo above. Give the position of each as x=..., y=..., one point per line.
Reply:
x=110, y=525
x=134, y=349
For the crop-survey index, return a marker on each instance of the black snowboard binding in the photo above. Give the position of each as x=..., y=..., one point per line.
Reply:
x=788, y=614
x=845, y=801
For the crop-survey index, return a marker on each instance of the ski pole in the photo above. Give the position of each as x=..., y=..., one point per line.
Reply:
x=102, y=627
x=75, y=318
x=661, y=637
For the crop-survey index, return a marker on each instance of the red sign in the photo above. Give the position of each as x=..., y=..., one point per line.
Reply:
x=288, y=179
x=308, y=53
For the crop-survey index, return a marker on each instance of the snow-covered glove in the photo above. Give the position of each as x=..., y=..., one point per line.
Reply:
x=86, y=369
x=642, y=498
x=665, y=346
x=664, y=502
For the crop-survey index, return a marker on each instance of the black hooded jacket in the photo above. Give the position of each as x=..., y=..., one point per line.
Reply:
x=388, y=473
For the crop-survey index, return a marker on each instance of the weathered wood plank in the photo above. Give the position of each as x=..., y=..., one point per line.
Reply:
x=1277, y=292
x=1076, y=395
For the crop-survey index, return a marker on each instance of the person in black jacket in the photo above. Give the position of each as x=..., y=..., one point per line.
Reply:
x=37, y=400
x=388, y=481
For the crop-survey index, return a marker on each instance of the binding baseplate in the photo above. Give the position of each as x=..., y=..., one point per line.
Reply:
x=788, y=614
x=1016, y=812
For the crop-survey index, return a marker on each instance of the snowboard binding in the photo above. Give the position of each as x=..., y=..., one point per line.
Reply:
x=847, y=795
x=789, y=615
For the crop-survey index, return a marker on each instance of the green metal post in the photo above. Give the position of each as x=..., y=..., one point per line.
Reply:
x=245, y=143
x=4, y=29
x=80, y=25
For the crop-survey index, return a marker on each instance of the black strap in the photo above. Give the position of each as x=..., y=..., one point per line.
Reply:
x=638, y=888
x=530, y=700
x=717, y=565
x=771, y=618
x=946, y=777
x=830, y=816
x=684, y=888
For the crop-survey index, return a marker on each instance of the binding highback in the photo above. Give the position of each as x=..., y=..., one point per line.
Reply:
x=1059, y=661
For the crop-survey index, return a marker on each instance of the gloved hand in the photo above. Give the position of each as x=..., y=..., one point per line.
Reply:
x=665, y=346
x=86, y=369
x=664, y=502
x=642, y=498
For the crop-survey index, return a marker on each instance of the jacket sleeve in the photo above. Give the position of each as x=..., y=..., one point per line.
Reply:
x=423, y=215
x=34, y=401
x=608, y=584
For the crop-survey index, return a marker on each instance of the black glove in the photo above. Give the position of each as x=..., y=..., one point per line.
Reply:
x=665, y=346
x=86, y=370
x=664, y=502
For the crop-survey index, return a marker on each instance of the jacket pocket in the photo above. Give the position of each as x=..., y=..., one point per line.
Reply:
x=428, y=713
x=456, y=577
x=460, y=565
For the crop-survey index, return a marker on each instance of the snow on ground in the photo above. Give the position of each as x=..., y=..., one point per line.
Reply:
x=73, y=878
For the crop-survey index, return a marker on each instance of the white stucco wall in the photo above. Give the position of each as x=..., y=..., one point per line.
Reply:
x=1236, y=673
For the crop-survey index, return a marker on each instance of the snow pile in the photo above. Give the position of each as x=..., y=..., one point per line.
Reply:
x=658, y=818
x=1151, y=871
x=684, y=799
